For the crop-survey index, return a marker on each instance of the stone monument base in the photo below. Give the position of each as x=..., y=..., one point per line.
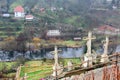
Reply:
x=57, y=70
x=88, y=60
x=70, y=65
x=104, y=58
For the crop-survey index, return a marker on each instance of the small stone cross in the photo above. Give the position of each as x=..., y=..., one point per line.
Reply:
x=106, y=45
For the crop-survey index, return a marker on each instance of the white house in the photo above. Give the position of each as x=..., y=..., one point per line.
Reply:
x=53, y=33
x=53, y=8
x=6, y=15
x=19, y=12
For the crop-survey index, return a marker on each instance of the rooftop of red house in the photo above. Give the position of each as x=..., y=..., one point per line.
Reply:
x=29, y=16
x=106, y=27
x=19, y=9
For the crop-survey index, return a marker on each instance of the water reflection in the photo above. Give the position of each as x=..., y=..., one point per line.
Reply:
x=43, y=53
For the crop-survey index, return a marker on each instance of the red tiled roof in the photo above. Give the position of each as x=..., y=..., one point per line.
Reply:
x=29, y=16
x=106, y=27
x=42, y=9
x=19, y=9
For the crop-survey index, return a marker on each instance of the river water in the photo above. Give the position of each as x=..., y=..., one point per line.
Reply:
x=44, y=53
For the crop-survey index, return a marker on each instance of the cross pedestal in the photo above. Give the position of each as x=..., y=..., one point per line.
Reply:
x=104, y=58
x=88, y=60
x=57, y=70
x=70, y=65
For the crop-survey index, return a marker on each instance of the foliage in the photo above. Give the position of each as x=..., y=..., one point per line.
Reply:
x=7, y=66
x=76, y=21
x=21, y=41
x=9, y=38
x=10, y=27
x=36, y=40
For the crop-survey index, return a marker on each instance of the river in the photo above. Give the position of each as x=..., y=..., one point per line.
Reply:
x=43, y=53
x=46, y=53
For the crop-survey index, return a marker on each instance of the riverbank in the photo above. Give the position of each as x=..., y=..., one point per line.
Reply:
x=62, y=43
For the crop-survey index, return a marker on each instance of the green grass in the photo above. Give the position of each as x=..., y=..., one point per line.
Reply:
x=36, y=72
x=11, y=29
x=76, y=21
x=7, y=30
x=71, y=43
x=74, y=61
x=4, y=34
x=71, y=19
x=39, y=69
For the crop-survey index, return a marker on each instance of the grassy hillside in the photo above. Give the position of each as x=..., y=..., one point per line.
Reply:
x=10, y=27
x=76, y=13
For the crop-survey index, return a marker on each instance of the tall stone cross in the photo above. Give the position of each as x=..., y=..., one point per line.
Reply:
x=105, y=46
x=55, y=52
x=89, y=39
x=56, y=68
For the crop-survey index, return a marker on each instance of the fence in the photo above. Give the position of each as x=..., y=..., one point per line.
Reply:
x=111, y=72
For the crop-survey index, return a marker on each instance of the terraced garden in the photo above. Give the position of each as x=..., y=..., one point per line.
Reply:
x=39, y=69
x=10, y=27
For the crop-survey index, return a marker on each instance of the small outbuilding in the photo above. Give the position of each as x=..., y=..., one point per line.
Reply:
x=29, y=17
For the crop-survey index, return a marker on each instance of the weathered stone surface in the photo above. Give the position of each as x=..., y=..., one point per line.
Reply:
x=88, y=57
x=70, y=65
x=104, y=56
x=57, y=69
x=87, y=60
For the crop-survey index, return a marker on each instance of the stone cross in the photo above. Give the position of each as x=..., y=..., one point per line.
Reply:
x=104, y=56
x=106, y=45
x=89, y=39
x=55, y=52
x=56, y=55
x=57, y=69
